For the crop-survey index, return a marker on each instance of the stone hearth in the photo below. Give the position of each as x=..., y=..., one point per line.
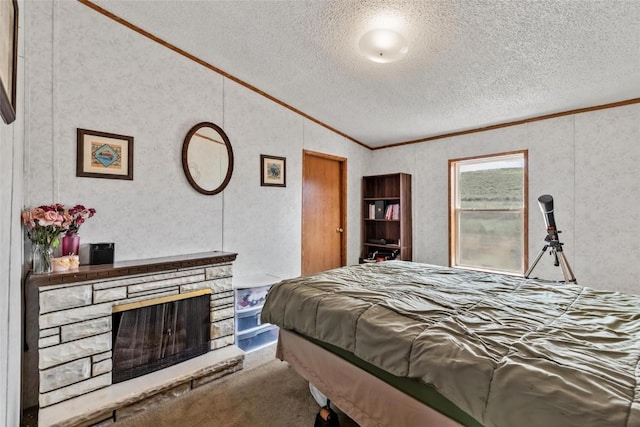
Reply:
x=122, y=400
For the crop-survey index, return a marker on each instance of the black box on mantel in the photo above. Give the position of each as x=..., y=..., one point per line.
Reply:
x=101, y=253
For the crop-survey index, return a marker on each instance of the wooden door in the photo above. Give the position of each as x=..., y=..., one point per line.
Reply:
x=323, y=212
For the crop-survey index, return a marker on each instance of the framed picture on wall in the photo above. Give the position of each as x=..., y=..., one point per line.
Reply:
x=273, y=171
x=104, y=155
x=8, y=59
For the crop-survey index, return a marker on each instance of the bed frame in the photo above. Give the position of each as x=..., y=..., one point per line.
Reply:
x=365, y=398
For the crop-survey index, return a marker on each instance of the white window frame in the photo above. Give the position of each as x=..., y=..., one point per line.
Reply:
x=455, y=209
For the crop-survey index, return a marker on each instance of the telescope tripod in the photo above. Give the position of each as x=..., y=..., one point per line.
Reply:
x=558, y=253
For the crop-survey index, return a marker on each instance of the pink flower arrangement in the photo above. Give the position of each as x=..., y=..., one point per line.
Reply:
x=78, y=215
x=45, y=223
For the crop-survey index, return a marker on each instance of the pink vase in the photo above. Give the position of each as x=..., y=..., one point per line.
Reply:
x=70, y=244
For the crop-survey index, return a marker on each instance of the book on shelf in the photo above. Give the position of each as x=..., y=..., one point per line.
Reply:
x=388, y=212
x=380, y=210
x=392, y=211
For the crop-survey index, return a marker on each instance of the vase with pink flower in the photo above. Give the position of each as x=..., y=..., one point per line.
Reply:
x=71, y=240
x=44, y=225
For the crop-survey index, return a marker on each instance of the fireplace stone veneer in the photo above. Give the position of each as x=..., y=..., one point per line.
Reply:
x=75, y=308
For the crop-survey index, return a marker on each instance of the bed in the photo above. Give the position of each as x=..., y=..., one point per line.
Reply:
x=398, y=343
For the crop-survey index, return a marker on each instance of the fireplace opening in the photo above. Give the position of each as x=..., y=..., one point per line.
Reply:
x=151, y=335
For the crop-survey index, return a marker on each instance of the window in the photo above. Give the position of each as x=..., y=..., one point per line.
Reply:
x=488, y=212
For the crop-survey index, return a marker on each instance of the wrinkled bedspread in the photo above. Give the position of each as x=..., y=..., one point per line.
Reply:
x=508, y=351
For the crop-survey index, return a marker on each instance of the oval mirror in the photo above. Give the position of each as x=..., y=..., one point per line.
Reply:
x=207, y=158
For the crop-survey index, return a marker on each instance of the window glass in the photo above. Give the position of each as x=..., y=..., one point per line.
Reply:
x=489, y=212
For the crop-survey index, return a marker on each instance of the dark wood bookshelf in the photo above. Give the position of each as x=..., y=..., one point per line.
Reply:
x=386, y=190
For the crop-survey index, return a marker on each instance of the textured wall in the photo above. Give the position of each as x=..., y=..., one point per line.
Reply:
x=11, y=200
x=10, y=271
x=97, y=74
x=587, y=162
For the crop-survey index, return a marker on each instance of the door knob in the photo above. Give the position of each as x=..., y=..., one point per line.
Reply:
x=339, y=230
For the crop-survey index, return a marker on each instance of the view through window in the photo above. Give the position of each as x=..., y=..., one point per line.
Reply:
x=488, y=212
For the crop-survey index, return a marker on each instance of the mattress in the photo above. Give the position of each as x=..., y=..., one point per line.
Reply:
x=505, y=350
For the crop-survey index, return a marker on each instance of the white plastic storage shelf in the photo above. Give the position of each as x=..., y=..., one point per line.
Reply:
x=250, y=294
x=257, y=338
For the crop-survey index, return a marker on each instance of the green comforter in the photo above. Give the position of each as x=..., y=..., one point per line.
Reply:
x=508, y=351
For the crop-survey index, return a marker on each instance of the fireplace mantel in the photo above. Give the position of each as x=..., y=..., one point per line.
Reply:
x=127, y=268
x=71, y=324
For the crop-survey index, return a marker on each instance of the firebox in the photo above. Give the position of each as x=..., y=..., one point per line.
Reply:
x=151, y=335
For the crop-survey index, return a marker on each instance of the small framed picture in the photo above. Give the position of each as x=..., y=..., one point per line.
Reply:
x=8, y=59
x=273, y=171
x=104, y=155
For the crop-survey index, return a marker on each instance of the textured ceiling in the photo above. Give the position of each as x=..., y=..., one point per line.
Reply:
x=470, y=64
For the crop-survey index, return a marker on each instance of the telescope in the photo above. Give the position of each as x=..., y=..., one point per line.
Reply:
x=546, y=206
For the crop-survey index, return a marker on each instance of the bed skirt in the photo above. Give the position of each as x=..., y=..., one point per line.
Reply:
x=368, y=400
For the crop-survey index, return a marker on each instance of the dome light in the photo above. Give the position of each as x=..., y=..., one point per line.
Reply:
x=383, y=46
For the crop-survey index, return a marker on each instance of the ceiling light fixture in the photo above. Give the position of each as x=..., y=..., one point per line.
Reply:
x=381, y=45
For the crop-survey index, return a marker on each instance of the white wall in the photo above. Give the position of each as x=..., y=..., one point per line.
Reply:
x=10, y=271
x=97, y=74
x=11, y=176
x=588, y=162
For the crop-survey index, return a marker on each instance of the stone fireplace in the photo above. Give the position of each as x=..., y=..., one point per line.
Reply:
x=92, y=320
